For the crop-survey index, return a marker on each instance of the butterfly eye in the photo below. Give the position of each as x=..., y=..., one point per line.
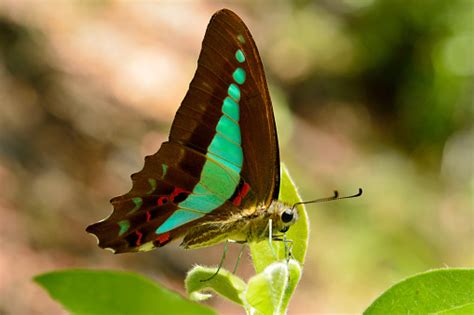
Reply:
x=287, y=216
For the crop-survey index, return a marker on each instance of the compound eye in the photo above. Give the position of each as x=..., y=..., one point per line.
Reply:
x=287, y=216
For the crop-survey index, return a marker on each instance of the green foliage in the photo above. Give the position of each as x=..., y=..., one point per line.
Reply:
x=429, y=96
x=225, y=283
x=442, y=291
x=294, y=275
x=111, y=292
x=265, y=290
x=269, y=291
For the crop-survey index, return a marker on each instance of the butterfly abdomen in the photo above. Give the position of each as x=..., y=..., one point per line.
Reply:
x=242, y=226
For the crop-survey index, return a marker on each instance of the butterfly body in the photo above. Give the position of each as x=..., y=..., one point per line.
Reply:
x=217, y=177
x=245, y=226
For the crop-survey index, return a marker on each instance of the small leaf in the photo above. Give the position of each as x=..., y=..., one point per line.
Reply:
x=265, y=290
x=442, y=291
x=293, y=279
x=110, y=292
x=298, y=233
x=224, y=283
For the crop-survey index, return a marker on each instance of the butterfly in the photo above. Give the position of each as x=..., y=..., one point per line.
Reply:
x=217, y=178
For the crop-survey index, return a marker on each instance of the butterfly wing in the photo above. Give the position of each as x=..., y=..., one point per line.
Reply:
x=227, y=47
x=222, y=153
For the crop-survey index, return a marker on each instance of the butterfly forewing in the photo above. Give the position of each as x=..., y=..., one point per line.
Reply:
x=228, y=46
x=222, y=153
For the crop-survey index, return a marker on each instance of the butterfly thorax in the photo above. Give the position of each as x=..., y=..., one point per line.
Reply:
x=244, y=226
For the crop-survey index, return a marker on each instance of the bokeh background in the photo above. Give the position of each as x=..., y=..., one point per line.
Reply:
x=367, y=93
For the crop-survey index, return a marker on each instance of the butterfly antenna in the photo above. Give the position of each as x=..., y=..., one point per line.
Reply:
x=335, y=197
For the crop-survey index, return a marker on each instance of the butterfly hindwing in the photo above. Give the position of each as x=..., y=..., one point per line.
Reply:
x=221, y=157
x=166, y=180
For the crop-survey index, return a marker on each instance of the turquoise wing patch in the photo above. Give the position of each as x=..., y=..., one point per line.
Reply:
x=220, y=174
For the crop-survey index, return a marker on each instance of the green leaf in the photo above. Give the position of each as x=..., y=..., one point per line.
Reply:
x=293, y=279
x=267, y=292
x=224, y=283
x=442, y=291
x=298, y=233
x=110, y=292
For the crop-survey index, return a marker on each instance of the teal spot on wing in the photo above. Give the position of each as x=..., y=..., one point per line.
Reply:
x=234, y=92
x=201, y=190
x=202, y=203
x=241, y=38
x=215, y=187
x=231, y=109
x=218, y=180
x=224, y=162
x=239, y=75
x=124, y=226
x=226, y=149
x=220, y=174
x=229, y=129
x=239, y=55
x=178, y=218
x=164, y=168
x=138, y=204
x=152, y=183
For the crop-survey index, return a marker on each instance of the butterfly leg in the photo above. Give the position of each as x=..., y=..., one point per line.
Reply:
x=287, y=243
x=220, y=264
x=288, y=247
x=270, y=238
x=238, y=258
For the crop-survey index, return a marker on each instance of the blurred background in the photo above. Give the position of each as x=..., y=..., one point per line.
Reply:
x=367, y=93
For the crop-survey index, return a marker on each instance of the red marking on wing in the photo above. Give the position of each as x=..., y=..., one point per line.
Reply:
x=237, y=200
x=245, y=190
x=165, y=199
x=139, y=239
x=163, y=238
x=162, y=200
x=241, y=194
x=177, y=191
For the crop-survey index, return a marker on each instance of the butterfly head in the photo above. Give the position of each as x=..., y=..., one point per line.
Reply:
x=283, y=216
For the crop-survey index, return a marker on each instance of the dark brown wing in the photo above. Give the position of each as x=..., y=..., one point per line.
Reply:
x=195, y=122
x=190, y=178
